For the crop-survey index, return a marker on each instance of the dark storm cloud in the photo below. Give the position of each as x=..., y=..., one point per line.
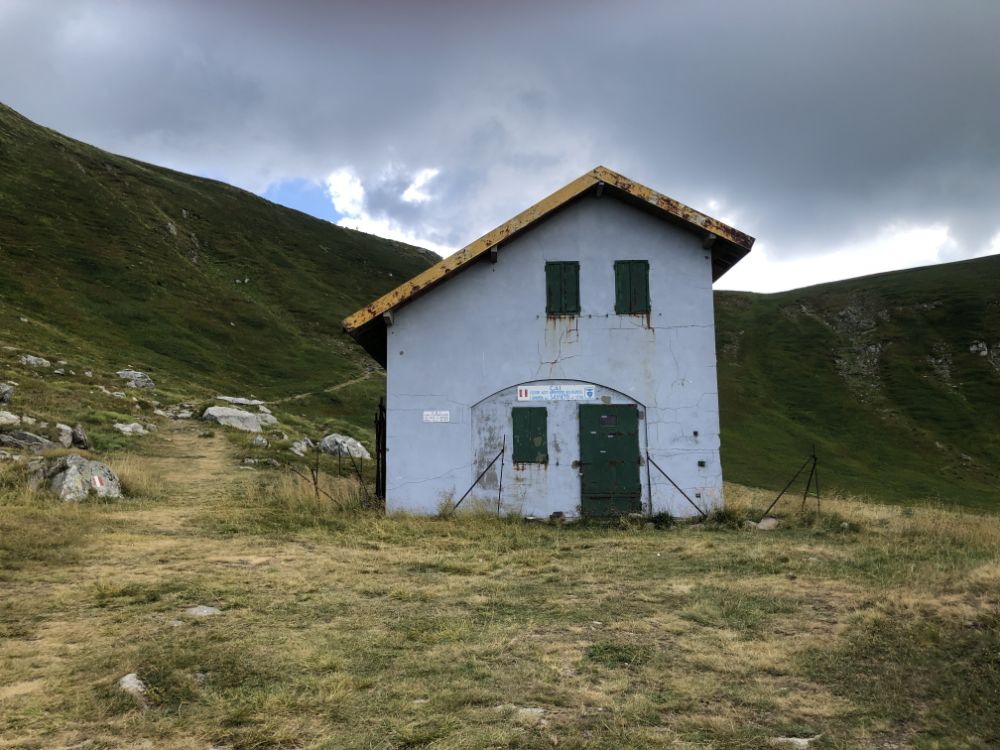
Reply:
x=812, y=124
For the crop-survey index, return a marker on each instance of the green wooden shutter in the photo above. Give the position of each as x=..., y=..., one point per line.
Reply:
x=531, y=441
x=562, y=288
x=631, y=287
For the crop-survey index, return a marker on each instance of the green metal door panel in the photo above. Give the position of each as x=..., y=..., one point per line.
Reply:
x=609, y=459
x=530, y=425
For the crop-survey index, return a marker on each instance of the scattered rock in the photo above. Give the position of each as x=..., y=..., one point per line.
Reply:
x=132, y=428
x=260, y=461
x=263, y=409
x=59, y=371
x=980, y=348
x=200, y=678
x=770, y=523
x=6, y=393
x=342, y=445
x=267, y=419
x=32, y=361
x=260, y=441
x=202, y=611
x=184, y=414
x=241, y=401
x=88, y=373
x=29, y=420
x=302, y=447
x=175, y=623
x=796, y=742
x=73, y=478
x=7, y=456
x=27, y=441
x=235, y=418
x=136, y=379
x=79, y=437
x=133, y=686
x=64, y=435
x=529, y=716
x=9, y=420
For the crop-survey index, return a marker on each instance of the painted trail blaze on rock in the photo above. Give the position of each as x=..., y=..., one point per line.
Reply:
x=74, y=478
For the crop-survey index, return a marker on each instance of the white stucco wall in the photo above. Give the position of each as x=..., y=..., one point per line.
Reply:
x=485, y=332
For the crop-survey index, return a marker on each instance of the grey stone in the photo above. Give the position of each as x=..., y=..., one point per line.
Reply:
x=74, y=478
x=267, y=419
x=133, y=686
x=33, y=361
x=768, y=524
x=803, y=743
x=27, y=441
x=59, y=371
x=6, y=393
x=342, y=445
x=64, y=435
x=202, y=611
x=132, y=428
x=230, y=417
x=302, y=447
x=79, y=437
x=240, y=400
x=263, y=409
x=7, y=419
x=260, y=441
x=136, y=379
x=88, y=373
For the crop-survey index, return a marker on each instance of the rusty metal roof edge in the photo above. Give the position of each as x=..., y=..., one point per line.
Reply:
x=448, y=267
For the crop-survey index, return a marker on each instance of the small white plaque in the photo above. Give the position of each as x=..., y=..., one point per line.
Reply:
x=437, y=416
x=557, y=392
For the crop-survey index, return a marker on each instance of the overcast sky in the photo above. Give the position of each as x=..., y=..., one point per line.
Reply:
x=848, y=137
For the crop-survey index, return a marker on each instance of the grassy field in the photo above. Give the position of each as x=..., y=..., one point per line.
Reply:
x=871, y=626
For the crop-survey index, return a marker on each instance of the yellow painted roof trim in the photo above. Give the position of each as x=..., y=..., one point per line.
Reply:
x=451, y=265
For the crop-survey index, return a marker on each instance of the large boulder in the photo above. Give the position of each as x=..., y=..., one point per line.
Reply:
x=136, y=379
x=26, y=441
x=74, y=478
x=342, y=445
x=6, y=393
x=30, y=360
x=230, y=417
x=240, y=400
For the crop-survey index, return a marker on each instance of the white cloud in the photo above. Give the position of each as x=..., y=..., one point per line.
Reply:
x=346, y=192
x=415, y=193
x=895, y=247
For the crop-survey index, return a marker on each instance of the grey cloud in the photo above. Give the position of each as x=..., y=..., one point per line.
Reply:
x=815, y=124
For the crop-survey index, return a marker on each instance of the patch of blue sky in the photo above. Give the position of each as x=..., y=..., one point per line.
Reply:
x=307, y=196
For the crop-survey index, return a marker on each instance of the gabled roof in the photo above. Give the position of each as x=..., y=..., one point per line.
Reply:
x=728, y=245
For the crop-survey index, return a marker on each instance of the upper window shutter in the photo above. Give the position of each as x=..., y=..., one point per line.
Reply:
x=631, y=287
x=562, y=288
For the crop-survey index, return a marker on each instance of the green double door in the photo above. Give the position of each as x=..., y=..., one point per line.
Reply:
x=609, y=460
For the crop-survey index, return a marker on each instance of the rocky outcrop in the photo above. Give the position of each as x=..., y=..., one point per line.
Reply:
x=6, y=393
x=136, y=379
x=342, y=445
x=29, y=360
x=26, y=441
x=7, y=419
x=74, y=478
x=230, y=417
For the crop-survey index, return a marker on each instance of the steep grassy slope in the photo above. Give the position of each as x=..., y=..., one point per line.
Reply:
x=113, y=262
x=878, y=372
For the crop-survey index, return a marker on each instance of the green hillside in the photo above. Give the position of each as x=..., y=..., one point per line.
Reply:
x=879, y=372
x=109, y=262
